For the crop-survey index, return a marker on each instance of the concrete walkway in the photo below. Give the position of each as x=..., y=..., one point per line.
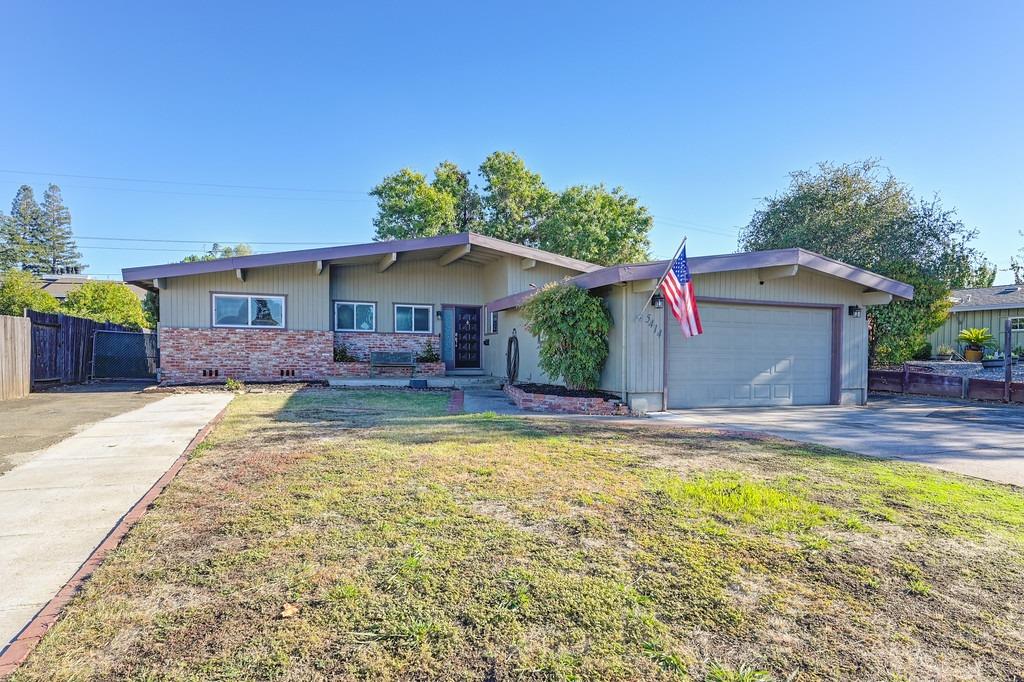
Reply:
x=56, y=508
x=981, y=440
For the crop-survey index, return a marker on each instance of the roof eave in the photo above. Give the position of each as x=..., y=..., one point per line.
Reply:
x=150, y=272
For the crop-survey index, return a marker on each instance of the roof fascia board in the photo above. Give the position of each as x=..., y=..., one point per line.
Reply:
x=330, y=253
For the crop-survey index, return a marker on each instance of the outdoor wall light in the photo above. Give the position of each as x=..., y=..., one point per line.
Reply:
x=855, y=311
x=657, y=300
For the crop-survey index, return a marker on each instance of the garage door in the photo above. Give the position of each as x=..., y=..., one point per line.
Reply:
x=752, y=355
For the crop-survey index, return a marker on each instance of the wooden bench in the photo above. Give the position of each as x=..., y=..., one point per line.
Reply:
x=392, y=359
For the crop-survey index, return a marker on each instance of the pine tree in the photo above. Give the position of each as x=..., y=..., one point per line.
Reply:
x=8, y=257
x=59, y=249
x=24, y=232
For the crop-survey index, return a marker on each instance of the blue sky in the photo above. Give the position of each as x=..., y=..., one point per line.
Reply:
x=697, y=108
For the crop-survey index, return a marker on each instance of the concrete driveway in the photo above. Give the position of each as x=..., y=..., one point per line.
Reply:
x=57, y=506
x=981, y=440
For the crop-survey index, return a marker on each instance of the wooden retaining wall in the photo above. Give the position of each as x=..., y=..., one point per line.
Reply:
x=941, y=385
x=15, y=357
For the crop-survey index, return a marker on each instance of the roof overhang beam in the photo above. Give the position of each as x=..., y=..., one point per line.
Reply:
x=454, y=254
x=777, y=272
x=386, y=261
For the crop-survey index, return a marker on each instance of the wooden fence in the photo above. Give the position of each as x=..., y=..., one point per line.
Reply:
x=942, y=385
x=62, y=347
x=15, y=357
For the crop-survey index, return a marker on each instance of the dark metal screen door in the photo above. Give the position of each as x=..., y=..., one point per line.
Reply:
x=467, y=338
x=124, y=355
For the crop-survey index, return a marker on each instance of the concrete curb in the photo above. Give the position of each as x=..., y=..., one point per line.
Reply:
x=456, y=401
x=19, y=649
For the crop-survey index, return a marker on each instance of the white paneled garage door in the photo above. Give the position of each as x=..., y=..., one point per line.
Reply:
x=751, y=355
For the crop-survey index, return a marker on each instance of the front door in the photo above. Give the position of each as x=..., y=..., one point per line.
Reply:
x=467, y=338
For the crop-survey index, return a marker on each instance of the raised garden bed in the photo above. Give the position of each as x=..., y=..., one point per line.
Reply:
x=552, y=398
x=362, y=370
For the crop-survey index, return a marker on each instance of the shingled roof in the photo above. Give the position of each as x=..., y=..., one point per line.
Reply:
x=987, y=298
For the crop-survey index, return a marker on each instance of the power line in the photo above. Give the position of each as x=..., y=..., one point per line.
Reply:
x=212, y=241
x=187, y=184
x=223, y=196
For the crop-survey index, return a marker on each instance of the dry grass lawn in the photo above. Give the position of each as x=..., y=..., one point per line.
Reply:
x=322, y=535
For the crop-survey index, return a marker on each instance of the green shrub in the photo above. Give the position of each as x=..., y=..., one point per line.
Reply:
x=572, y=326
x=234, y=385
x=923, y=352
x=20, y=290
x=428, y=354
x=341, y=354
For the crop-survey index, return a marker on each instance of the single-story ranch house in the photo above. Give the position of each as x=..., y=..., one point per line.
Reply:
x=985, y=308
x=780, y=327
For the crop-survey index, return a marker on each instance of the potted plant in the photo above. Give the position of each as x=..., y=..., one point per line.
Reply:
x=977, y=340
x=945, y=353
x=992, y=360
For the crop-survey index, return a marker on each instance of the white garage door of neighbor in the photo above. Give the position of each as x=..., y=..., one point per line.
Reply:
x=752, y=355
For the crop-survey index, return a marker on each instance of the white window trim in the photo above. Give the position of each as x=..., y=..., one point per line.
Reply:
x=492, y=315
x=249, y=297
x=414, y=306
x=1016, y=331
x=355, y=303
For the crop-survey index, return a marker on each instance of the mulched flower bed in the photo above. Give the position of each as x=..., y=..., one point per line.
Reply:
x=552, y=389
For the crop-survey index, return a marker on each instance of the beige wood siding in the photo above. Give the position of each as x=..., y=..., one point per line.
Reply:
x=993, y=320
x=412, y=281
x=185, y=302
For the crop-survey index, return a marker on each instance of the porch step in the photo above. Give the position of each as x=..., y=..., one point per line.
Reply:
x=400, y=382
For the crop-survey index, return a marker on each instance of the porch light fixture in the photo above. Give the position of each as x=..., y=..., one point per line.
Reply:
x=657, y=300
x=855, y=311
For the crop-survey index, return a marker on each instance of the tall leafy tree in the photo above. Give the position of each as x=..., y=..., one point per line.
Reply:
x=588, y=222
x=25, y=231
x=106, y=302
x=409, y=207
x=515, y=199
x=859, y=213
x=57, y=242
x=596, y=225
x=20, y=290
x=453, y=181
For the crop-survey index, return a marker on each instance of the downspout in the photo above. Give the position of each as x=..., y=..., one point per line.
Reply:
x=625, y=337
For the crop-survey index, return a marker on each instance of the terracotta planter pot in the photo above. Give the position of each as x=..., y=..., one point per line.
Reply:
x=973, y=355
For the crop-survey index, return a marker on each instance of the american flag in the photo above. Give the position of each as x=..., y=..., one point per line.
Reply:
x=678, y=289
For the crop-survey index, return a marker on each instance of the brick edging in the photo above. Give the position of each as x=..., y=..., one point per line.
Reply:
x=22, y=645
x=455, y=401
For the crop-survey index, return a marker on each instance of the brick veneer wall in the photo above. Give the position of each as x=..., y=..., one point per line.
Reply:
x=246, y=354
x=540, y=402
x=361, y=344
x=354, y=370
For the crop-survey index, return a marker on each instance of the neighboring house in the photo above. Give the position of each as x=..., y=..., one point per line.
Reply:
x=60, y=285
x=781, y=327
x=987, y=307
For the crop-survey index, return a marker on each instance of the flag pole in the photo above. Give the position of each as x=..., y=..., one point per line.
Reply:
x=662, y=278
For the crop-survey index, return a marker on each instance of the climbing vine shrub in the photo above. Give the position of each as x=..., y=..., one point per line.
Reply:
x=572, y=326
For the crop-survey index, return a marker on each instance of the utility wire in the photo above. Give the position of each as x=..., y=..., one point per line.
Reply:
x=188, y=184
x=212, y=241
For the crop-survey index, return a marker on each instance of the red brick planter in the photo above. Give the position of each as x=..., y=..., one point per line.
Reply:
x=361, y=370
x=541, y=402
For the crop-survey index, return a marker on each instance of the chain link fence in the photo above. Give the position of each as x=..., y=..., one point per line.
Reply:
x=124, y=355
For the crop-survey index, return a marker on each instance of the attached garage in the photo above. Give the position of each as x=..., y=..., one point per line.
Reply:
x=754, y=355
x=784, y=327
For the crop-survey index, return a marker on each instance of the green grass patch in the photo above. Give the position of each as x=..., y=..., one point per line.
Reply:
x=368, y=535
